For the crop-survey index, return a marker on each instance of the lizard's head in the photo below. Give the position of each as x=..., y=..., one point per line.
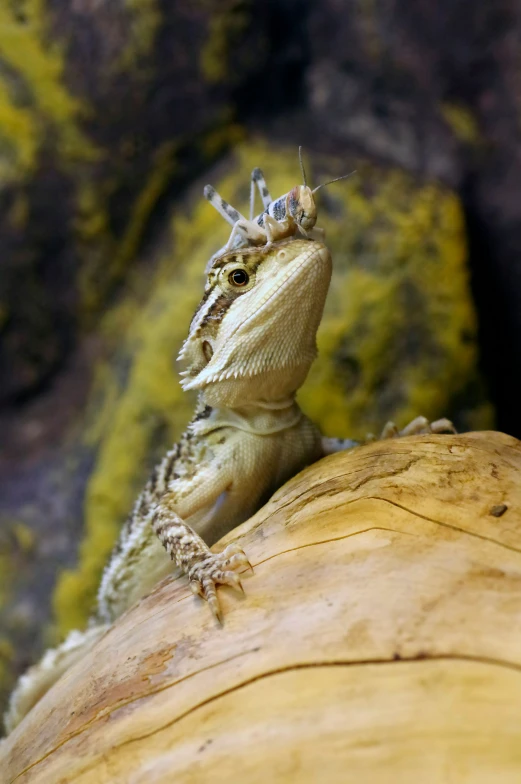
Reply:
x=252, y=338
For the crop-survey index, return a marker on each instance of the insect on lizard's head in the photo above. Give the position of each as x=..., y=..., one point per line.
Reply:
x=253, y=336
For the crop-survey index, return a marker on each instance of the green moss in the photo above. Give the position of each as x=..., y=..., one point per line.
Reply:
x=397, y=338
x=462, y=123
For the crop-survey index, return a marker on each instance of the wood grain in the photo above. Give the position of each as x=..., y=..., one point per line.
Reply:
x=379, y=640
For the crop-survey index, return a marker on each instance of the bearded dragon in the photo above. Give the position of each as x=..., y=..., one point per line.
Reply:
x=250, y=346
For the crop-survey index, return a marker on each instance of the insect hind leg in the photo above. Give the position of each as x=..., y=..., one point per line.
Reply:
x=244, y=232
x=257, y=178
x=229, y=213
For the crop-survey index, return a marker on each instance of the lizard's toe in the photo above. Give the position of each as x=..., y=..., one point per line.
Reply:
x=210, y=594
x=418, y=426
x=235, y=557
x=218, y=569
x=443, y=426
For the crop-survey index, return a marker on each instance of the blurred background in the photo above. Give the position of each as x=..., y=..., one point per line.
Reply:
x=113, y=116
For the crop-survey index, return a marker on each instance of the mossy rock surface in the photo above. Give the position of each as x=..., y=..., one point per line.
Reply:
x=377, y=640
x=103, y=106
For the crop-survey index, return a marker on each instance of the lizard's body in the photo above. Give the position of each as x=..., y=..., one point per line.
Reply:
x=247, y=353
x=217, y=477
x=247, y=356
x=249, y=349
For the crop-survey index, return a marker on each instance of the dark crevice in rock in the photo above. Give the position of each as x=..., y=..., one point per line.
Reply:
x=498, y=332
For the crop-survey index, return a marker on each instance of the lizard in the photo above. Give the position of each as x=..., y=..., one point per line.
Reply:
x=249, y=348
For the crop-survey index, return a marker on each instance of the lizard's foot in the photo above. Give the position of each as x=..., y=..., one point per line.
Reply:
x=218, y=568
x=416, y=427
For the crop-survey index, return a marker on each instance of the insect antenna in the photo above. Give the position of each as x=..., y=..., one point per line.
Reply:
x=252, y=199
x=343, y=177
x=302, y=169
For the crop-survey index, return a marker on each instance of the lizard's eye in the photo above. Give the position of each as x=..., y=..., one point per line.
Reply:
x=239, y=278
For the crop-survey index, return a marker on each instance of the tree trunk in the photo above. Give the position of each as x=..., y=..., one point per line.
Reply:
x=378, y=640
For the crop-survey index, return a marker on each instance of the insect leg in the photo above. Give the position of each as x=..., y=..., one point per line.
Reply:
x=229, y=213
x=245, y=233
x=279, y=230
x=257, y=177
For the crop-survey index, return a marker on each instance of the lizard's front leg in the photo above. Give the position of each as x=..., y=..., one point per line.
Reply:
x=418, y=426
x=332, y=445
x=204, y=568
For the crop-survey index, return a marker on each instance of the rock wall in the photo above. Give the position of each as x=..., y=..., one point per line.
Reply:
x=112, y=118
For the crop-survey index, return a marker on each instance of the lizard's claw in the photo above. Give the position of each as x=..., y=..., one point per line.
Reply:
x=418, y=426
x=215, y=569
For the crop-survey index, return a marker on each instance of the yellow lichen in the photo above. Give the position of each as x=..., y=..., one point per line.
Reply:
x=397, y=338
x=226, y=134
x=16, y=539
x=91, y=220
x=23, y=536
x=227, y=21
x=163, y=166
x=6, y=573
x=462, y=123
x=144, y=22
x=38, y=65
x=19, y=135
x=19, y=211
x=7, y=654
x=91, y=223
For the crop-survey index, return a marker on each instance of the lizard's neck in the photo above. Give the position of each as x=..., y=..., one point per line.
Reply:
x=261, y=418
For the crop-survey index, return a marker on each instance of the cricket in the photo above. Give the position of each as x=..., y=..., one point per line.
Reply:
x=293, y=214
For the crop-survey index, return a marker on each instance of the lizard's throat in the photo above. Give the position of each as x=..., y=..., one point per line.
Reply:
x=269, y=389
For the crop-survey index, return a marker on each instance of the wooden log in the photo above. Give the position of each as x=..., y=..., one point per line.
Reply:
x=379, y=640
